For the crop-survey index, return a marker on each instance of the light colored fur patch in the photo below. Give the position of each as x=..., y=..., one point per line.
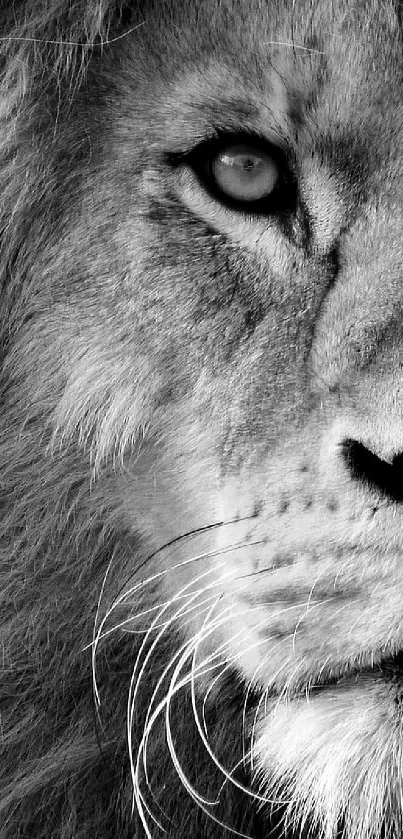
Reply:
x=337, y=755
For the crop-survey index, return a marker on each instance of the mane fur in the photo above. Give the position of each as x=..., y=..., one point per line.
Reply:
x=64, y=762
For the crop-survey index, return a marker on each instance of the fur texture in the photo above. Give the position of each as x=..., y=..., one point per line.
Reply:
x=201, y=427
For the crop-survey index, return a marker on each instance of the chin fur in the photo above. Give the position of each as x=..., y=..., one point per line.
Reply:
x=334, y=760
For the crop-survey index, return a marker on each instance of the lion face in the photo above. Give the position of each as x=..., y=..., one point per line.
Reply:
x=210, y=345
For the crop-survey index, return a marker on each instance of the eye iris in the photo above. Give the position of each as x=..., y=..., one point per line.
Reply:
x=244, y=173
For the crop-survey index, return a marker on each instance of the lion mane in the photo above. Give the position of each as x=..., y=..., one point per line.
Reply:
x=65, y=767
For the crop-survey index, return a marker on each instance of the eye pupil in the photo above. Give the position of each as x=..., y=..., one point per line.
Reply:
x=248, y=164
x=244, y=174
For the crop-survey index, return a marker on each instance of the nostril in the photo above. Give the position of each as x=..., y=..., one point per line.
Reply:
x=385, y=478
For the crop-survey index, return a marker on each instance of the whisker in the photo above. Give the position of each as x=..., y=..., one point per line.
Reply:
x=150, y=720
x=135, y=683
x=200, y=801
x=87, y=44
x=93, y=645
x=126, y=594
x=170, y=621
x=206, y=743
x=295, y=46
x=175, y=686
x=175, y=541
x=124, y=624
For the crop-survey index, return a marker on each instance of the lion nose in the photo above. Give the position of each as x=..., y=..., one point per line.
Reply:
x=385, y=477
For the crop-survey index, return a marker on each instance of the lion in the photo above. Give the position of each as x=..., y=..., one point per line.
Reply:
x=201, y=419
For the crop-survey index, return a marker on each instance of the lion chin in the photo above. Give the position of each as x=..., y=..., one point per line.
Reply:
x=335, y=753
x=201, y=419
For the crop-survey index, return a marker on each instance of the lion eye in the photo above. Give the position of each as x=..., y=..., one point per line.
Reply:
x=244, y=173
